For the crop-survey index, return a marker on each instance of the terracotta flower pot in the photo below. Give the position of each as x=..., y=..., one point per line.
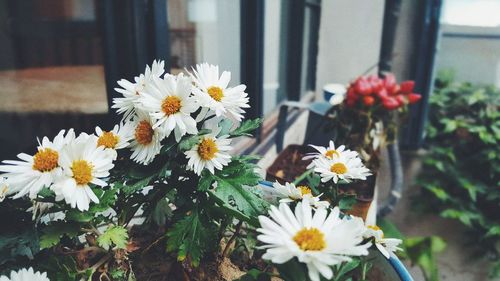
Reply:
x=289, y=165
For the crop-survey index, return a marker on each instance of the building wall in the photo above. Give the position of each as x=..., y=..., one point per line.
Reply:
x=349, y=39
x=474, y=60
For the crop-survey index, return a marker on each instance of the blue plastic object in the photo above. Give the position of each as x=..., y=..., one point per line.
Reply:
x=400, y=269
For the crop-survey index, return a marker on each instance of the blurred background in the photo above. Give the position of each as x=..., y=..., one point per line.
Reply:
x=60, y=60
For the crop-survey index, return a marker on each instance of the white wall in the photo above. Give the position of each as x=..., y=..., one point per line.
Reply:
x=349, y=39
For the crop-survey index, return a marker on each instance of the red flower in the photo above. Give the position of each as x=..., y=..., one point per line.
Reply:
x=413, y=98
x=406, y=87
x=389, y=81
x=376, y=83
x=390, y=103
x=362, y=86
x=382, y=93
x=402, y=100
x=368, y=100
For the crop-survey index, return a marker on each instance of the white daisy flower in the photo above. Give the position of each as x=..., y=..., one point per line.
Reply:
x=4, y=188
x=119, y=137
x=386, y=246
x=212, y=92
x=210, y=153
x=25, y=275
x=340, y=168
x=330, y=152
x=291, y=193
x=146, y=143
x=131, y=91
x=35, y=172
x=83, y=163
x=170, y=104
x=319, y=240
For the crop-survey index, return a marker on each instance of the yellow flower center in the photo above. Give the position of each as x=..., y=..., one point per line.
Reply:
x=304, y=190
x=330, y=153
x=82, y=171
x=207, y=149
x=144, y=133
x=171, y=105
x=310, y=239
x=108, y=140
x=376, y=228
x=338, y=168
x=45, y=160
x=215, y=92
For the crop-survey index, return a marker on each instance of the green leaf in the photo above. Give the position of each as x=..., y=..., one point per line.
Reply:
x=139, y=185
x=422, y=251
x=235, y=188
x=190, y=238
x=161, y=212
x=61, y=267
x=188, y=142
x=292, y=271
x=246, y=128
x=114, y=235
x=347, y=201
x=53, y=233
x=493, y=231
x=225, y=125
x=345, y=268
x=22, y=243
x=255, y=275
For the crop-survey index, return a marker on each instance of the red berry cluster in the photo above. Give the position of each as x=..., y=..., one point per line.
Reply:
x=372, y=89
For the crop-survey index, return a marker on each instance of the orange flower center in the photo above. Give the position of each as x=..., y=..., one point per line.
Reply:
x=108, y=140
x=304, y=190
x=45, y=160
x=310, y=239
x=207, y=149
x=376, y=228
x=216, y=93
x=171, y=105
x=338, y=168
x=82, y=171
x=330, y=153
x=144, y=133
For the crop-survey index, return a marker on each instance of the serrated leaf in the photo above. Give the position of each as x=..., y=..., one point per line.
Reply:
x=161, y=212
x=190, y=238
x=114, y=235
x=246, y=128
x=234, y=188
x=53, y=233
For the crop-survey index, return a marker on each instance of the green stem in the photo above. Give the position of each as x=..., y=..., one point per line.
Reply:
x=303, y=176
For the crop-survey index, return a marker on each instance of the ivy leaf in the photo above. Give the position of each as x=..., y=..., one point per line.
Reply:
x=114, y=235
x=190, y=238
x=53, y=233
x=246, y=128
x=494, y=231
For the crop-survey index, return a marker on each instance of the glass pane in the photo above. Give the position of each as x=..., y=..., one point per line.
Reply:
x=205, y=31
x=50, y=66
x=469, y=45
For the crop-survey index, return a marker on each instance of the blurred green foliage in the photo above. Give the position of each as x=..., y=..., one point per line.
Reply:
x=461, y=171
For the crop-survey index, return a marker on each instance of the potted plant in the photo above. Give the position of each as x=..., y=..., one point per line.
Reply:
x=158, y=197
